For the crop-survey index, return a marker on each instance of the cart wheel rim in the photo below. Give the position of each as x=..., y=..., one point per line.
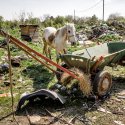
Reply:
x=104, y=86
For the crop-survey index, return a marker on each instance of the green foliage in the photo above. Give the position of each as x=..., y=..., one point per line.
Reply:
x=115, y=17
x=109, y=37
x=93, y=21
x=55, y=22
x=1, y=21
x=1, y=52
x=15, y=32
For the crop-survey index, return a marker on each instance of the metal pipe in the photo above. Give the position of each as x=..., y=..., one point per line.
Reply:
x=33, y=53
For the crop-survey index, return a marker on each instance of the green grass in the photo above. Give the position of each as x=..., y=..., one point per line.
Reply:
x=1, y=52
x=30, y=76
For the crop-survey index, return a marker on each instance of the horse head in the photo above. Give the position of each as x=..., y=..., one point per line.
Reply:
x=71, y=36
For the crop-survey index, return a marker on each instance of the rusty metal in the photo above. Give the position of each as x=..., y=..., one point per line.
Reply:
x=33, y=53
x=97, y=63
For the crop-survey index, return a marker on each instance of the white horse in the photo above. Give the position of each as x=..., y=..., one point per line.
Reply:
x=58, y=38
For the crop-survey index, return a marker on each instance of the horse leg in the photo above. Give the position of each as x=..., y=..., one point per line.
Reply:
x=49, y=51
x=44, y=42
x=45, y=49
x=64, y=50
x=57, y=57
x=57, y=60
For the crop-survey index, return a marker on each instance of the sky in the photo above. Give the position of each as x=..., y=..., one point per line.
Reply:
x=11, y=9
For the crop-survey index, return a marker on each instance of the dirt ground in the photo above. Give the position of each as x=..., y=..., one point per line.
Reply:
x=109, y=111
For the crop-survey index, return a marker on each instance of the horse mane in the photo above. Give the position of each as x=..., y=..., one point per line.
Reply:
x=64, y=30
x=57, y=32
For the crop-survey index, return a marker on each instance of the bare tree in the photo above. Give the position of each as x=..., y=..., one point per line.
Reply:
x=22, y=17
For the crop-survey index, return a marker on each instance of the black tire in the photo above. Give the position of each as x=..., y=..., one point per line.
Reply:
x=102, y=83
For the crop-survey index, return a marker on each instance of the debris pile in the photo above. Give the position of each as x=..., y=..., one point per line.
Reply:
x=119, y=27
x=102, y=33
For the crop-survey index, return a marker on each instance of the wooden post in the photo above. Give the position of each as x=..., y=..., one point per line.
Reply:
x=74, y=17
x=10, y=72
x=103, y=11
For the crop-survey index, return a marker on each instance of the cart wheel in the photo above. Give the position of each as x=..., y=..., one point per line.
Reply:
x=102, y=83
